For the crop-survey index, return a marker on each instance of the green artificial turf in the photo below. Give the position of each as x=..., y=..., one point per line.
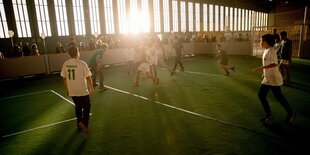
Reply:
x=199, y=111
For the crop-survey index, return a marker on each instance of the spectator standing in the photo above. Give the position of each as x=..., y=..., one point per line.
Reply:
x=286, y=51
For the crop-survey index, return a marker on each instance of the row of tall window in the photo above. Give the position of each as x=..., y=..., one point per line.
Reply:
x=191, y=17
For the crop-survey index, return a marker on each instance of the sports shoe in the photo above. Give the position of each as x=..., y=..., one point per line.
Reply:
x=136, y=84
x=289, y=117
x=84, y=128
x=266, y=118
x=233, y=69
x=103, y=88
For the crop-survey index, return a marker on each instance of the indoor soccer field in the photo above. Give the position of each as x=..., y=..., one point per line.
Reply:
x=199, y=111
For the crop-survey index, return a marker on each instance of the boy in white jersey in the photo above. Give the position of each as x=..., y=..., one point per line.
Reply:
x=272, y=79
x=79, y=85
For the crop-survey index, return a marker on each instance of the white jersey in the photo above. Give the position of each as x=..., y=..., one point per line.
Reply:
x=76, y=71
x=130, y=54
x=272, y=76
x=144, y=67
x=152, y=56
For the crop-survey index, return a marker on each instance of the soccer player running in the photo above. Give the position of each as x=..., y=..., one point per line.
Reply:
x=78, y=84
x=179, y=48
x=223, y=60
x=272, y=79
x=148, y=60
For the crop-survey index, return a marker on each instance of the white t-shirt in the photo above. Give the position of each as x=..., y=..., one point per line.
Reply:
x=272, y=76
x=76, y=71
x=144, y=67
x=152, y=55
x=130, y=54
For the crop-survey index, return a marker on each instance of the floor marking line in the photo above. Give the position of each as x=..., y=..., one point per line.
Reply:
x=44, y=126
x=62, y=97
x=218, y=75
x=65, y=99
x=10, y=97
x=36, y=128
x=196, y=114
x=200, y=73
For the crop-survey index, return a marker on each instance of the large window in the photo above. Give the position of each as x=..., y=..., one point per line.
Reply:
x=134, y=18
x=21, y=18
x=94, y=16
x=3, y=22
x=79, y=20
x=236, y=19
x=166, y=16
x=190, y=17
x=121, y=8
x=246, y=20
x=265, y=19
x=145, y=16
x=222, y=22
x=175, y=20
x=231, y=19
x=205, y=17
x=211, y=19
x=242, y=20
x=61, y=17
x=216, y=17
x=239, y=20
x=108, y=14
x=250, y=20
x=197, y=16
x=257, y=23
x=156, y=16
x=183, y=16
x=133, y=5
x=43, y=17
x=226, y=19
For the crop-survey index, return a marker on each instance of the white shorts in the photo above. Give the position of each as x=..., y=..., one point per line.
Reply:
x=144, y=68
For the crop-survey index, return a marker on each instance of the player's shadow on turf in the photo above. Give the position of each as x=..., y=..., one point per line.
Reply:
x=292, y=133
x=297, y=85
x=71, y=142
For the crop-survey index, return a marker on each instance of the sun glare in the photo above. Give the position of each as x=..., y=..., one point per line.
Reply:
x=137, y=22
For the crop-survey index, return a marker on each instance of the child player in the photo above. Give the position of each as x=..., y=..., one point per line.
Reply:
x=223, y=59
x=148, y=66
x=145, y=68
x=272, y=79
x=78, y=83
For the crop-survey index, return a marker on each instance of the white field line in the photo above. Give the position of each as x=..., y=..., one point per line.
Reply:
x=36, y=128
x=62, y=97
x=194, y=113
x=10, y=97
x=44, y=126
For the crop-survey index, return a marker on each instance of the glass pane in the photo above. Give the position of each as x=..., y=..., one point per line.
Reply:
x=216, y=17
x=156, y=16
x=175, y=16
x=166, y=16
x=211, y=20
x=205, y=17
x=190, y=17
x=145, y=19
x=183, y=16
x=197, y=16
x=109, y=16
